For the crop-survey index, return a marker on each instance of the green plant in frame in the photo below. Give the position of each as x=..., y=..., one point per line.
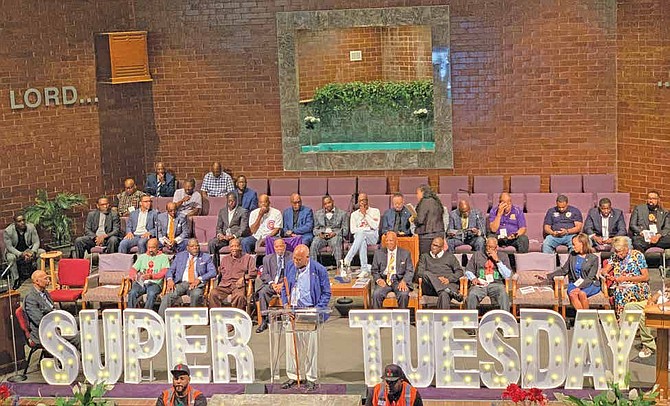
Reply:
x=52, y=215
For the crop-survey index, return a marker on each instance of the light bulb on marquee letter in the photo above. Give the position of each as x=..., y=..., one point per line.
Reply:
x=447, y=347
x=620, y=339
x=135, y=320
x=371, y=321
x=59, y=347
x=556, y=338
x=178, y=344
x=90, y=345
x=491, y=342
x=586, y=353
x=422, y=375
x=236, y=346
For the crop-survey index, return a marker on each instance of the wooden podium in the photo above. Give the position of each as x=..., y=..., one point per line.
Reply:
x=660, y=320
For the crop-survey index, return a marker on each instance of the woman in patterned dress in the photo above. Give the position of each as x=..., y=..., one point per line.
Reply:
x=626, y=270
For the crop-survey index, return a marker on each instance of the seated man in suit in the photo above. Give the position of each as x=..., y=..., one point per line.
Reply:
x=298, y=223
x=160, y=183
x=487, y=271
x=102, y=228
x=466, y=226
x=232, y=223
x=272, y=278
x=441, y=273
x=508, y=223
x=561, y=223
x=604, y=223
x=364, y=226
x=650, y=224
x=235, y=270
x=22, y=244
x=147, y=275
x=140, y=227
x=189, y=273
x=38, y=303
x=264, y=222
x=392, y=271
x=331, y=227
x=397, y=217
x=172, y=230
x=247, y=198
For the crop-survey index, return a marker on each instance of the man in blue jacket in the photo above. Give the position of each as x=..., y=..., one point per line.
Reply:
x=298, y=221
x=308, y=287
x=189, y=273
x=140, y=228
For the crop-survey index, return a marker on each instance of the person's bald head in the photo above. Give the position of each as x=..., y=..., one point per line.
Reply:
x=505, y=201
x=171, y=209
x=152, y=247
x=129, y=186
x=264, y=201
x=464, y=208
x=40, y=280
x=301, y=256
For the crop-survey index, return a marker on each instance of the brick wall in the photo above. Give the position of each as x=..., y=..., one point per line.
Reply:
x=643, y=124
x=535, y=90
x=406, y=53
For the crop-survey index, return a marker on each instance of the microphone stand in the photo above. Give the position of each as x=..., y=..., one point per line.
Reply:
x=16, y=377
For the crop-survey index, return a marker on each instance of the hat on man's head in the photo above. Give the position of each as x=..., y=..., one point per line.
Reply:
x=393, y=372
x=181, y=369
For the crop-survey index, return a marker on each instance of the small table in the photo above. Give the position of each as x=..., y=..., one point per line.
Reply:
x=51, y=256
x=660, y=320
x=347, y=289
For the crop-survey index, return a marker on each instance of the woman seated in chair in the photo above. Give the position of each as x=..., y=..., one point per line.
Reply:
x=582, y=271
x=626, y=271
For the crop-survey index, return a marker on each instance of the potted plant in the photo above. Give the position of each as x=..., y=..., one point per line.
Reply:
x=53, y=216
x=86, y=395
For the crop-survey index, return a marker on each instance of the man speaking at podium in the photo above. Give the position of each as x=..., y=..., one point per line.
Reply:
x=308, y=287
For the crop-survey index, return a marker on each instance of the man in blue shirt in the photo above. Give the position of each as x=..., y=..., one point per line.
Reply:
x=561, y=223
x=247, y=198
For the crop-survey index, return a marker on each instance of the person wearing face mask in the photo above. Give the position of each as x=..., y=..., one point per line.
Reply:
x=466, y=226
x=181, y=393
x=331, y=226
x=394, y=390
x=487, y=271
x=561, y=223
x=508, y=223
x=102, y=228
x=650, y=225
x=603, y=224
x=188, y=200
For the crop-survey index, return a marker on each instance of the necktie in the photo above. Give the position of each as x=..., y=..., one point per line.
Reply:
x=281, y=269
x=464, y=223
x=191, y=270
x=170, y=228
x=391, y=270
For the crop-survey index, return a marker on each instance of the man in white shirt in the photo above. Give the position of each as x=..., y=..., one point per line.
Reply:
x=140, y=227
x=364, y=226
x=392, y=271
x=188, y=200
x=265, y=221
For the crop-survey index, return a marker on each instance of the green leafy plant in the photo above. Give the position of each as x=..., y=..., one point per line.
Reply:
x=52, y=215
x=86, y=395
x=613, y=395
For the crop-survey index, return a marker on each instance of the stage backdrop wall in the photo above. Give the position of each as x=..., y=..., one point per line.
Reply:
x=535, y=89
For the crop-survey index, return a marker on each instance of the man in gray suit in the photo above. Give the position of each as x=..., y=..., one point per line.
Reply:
x=466, y=226
x=102, y=228
x=392, y=271
x=331, y=227
x=23, y=249
x=603, y=224
x=232, y=222
x=650, y=224
x=272, y=278
x=141, y=226
x=172, y=230
x=37, y=304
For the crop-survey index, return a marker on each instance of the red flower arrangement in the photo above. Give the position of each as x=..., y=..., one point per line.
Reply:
x=532, y=396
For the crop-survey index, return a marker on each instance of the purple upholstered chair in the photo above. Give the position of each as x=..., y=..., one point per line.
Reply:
x=373, y=186
x=313, y=186
x=566, y=183
x=525, y=184
x=283, y=187
x=408, y=184
x=488, y=184
x=603, y=183
x=341, y=186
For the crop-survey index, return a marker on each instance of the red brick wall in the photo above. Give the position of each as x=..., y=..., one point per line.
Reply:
x=406, y=53
x=643, y=125
x=534, y=91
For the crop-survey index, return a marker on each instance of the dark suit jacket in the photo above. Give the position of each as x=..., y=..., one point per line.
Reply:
x=131, y=224
x=204, y=267
x=305, y=221
x=270, y=267
x=388, y=221
x=35, y=307
x=639, y=220
x=475, y=219
x=112, y=224
x=166, y=189
x=589, y=270
x=594, y=225
x=239, y=226
x=319, y=284
x=180, y=226
x=403, y=265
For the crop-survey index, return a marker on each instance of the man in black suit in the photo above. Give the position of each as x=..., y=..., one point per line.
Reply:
x=233, y=222
x=102, y=228
x=272, y=277
x=37, y=304
x=650, y=225
x=604, y=223
x=392, y=271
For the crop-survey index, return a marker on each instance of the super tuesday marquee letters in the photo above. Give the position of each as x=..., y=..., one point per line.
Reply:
x=599, y=343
